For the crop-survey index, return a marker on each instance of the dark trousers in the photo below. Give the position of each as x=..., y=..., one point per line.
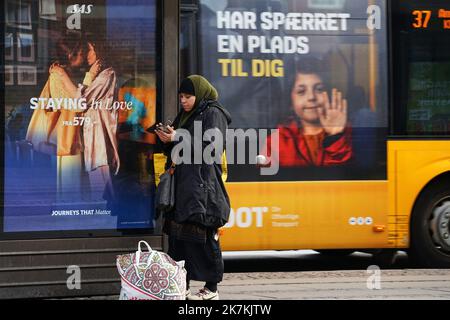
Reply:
x=203, y=260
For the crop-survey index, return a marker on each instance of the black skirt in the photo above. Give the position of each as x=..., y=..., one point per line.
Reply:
x=203, y=260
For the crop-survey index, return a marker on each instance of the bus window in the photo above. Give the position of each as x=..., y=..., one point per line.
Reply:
x=421, y=43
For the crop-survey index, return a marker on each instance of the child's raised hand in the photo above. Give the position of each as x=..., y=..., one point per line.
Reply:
x=333, y=116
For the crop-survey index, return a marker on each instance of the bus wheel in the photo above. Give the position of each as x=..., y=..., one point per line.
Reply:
x=335, y=252
x=430, y=228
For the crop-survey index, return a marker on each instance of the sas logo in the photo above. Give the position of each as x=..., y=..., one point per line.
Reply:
x=77, y=8
x=247, y=217
x=75, y=11
x=368, y=221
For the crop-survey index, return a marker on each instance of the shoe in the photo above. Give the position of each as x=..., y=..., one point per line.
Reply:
x=204, y=294
x=188, y=294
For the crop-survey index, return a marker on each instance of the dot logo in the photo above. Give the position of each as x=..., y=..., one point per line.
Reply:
x=360, y=221
x=247, y=217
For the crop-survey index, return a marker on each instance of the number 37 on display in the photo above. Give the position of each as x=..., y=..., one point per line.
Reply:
x=422, y=18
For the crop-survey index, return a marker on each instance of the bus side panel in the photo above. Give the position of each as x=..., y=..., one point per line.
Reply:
x=307, y=215
x=413, y=164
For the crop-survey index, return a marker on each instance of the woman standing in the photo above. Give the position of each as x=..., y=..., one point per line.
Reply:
x=201, y=202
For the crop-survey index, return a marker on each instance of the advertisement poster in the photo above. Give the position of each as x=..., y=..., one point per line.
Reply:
x=80, y=95
x=276, y=64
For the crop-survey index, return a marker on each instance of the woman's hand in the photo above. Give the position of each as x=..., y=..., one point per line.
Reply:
x=65, y=79
x=95, y=69
x=54, y=64
x=333, y=116
x=56, y=68
x=166, y=137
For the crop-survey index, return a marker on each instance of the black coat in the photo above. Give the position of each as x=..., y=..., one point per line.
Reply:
x=200, y=194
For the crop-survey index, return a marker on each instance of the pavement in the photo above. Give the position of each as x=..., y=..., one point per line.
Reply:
x=337, y=285
x=332, y=285
x=306, y=275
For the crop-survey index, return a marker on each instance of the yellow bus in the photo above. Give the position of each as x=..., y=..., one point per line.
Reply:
x=384, y=181
x=365, y=168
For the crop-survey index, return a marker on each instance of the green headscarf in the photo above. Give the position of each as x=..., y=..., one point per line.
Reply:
x=203, y=91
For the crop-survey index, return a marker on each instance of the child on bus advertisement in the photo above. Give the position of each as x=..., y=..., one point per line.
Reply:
x=317, y=132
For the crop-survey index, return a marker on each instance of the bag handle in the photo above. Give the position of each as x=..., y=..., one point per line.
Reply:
x=139, y=251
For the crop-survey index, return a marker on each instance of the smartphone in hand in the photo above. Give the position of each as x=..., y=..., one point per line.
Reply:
x=164, y=128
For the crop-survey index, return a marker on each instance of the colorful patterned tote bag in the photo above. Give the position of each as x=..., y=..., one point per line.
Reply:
x=151, y=275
